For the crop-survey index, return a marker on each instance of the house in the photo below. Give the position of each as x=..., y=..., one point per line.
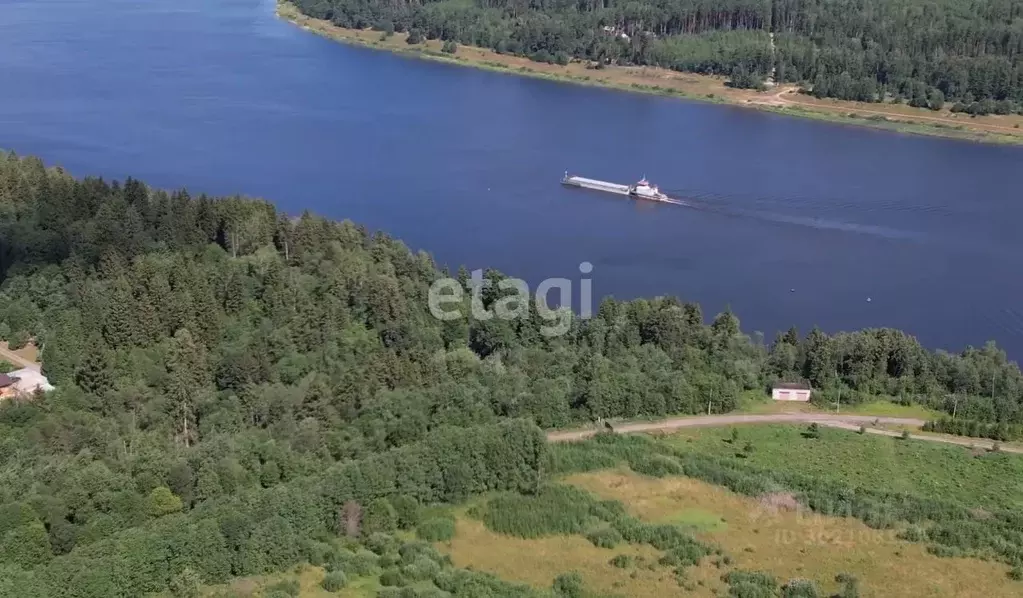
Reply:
x=7, y=388
x=791, y=391
x=23, y=382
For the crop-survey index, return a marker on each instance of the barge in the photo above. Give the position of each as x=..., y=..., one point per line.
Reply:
x=640, y=190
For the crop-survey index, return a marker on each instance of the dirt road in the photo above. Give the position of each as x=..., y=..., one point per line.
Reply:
x=834, y=420
x=727, y=420
x=8, y=355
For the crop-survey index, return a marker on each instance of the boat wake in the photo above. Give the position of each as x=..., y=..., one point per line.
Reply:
x=717, y=207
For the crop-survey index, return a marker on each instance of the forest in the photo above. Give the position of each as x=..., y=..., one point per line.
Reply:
x=237, y=388
x=923, y=52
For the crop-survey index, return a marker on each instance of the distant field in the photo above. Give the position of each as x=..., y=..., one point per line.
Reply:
x=538, y=561
x=791, y=544
x=916, y=467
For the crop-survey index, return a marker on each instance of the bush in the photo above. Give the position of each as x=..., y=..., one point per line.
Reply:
x=554, y=510
x=162, y=502
x=800, y=588
x=622, y=561
x=379, y=516
x=381, y=543
x=334, y=581
x=415, y=36
x=19, y=339
x=289, y=587
x=392, y=577
x=750, y=584
x=186, y=584
x=656, y=466
x=407, y=508
x=1016, y=573
x=450, y=47
x=812, y=431
x=605, y=537
x=421, y=568
x=437, y=529
x=568, y=585
x=850, y=586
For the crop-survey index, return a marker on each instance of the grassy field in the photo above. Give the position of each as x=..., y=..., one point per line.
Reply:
x=898, y=117
x=538, y=561
x=916, y=467
x=759, y=403
x=791, y=544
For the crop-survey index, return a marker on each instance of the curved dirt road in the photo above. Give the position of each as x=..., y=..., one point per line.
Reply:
x=727, y=420
x=834, y=420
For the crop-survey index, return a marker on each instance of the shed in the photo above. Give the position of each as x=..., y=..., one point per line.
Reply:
x=791, y=391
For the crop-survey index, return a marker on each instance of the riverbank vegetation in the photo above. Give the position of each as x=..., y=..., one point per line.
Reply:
x=925, y=54
x=662, y=81
x=240, y=391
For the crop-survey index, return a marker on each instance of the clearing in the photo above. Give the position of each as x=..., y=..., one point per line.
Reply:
x=791, y=544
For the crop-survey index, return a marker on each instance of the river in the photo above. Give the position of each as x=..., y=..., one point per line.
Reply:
x=798, y=222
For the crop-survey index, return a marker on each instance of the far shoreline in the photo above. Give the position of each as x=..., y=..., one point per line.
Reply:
x=785, y=100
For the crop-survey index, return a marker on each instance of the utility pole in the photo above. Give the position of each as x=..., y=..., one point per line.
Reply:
x=709, y=401
x=955, y=405
x=838, y=405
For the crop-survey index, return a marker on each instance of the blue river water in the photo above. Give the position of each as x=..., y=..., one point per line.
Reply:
x=795, y=222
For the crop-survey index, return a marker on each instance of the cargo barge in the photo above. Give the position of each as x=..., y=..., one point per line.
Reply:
x=641, y=190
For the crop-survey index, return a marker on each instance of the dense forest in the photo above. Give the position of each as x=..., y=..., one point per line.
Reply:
x=924, y=52
x=236, y=386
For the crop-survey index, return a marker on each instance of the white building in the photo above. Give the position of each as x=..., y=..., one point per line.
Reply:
x=25, y=382
x=791, y=391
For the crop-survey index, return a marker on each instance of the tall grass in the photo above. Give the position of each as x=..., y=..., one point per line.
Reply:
x=952, y=525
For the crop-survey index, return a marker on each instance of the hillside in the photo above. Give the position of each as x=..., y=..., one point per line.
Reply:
x=240, y=391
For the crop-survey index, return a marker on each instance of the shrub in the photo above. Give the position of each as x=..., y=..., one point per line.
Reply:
x=800, y=588
x=812, y=431
x=1016, y=573
x=568, y=585
x=334, y=581
x=656, y=466
x=186, y=584
x=381, y=543
x=605, y=537
x=379, y=516
x=554, y=510
x=622, y=561
x=162, y=501
x=437, y=529
x=289, y=587
x=421, y=568
x=450, y=47
x=407, y=508
x=905, y=435
x=392, y=577
x=863, y=430
x=850, y=586
x=415, y=36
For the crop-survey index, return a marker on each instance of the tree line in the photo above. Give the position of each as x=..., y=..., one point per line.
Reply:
x=230, y=378
x=923, y=53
